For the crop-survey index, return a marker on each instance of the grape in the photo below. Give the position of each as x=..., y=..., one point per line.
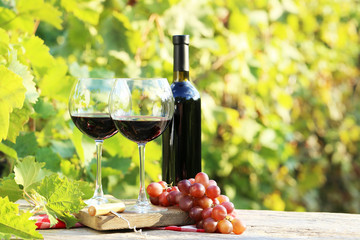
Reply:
x=197, y=190
x=204, y=202
x=178, y=197
x=186, y=203
x=171, y=197
x=238, y=226
x=222, y=198
x=199, y=224
x=154, y=189
x=218, y=213
x=229, y=217
x=206, y=213
x=215, y=201
x=163, y=184
x=202, y=178
x=195, y=213
x=209, y=225
x=192, y=180
x=174, y=188
x=229, y=207
x=154, y=200
x=163, y=199
x=184, y=186
x=224, y=226
x=212, y=182
x=213, y=191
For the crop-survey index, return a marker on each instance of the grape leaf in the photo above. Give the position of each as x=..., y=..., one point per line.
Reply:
x=11, y=223
x=9, y=188
x=4, y=42
x=44, y=109
x=26, y=144
x=29, y=173
x=62, y=198
x=8, y=150
x=39, y=10
x=85, y=188
x=50, y=83
x=18, y=118
x=22, y=70
x=12, y=95
x=9, y=20
x=37, y=52
x=47, y=156
x=87, y=11
x=64, y=148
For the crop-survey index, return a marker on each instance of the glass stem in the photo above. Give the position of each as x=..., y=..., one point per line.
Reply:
x=142, y=199
x=98, y=187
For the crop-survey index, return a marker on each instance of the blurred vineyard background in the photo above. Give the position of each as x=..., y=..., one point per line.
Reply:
x=278, y=81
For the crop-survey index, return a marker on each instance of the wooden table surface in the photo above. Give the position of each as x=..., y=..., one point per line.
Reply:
x=260, y=225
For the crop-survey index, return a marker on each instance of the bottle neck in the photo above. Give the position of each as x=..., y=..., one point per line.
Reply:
x=181, y=76
x=181, y=62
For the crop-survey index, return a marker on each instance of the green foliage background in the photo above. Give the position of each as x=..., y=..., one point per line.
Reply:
x=278, y=81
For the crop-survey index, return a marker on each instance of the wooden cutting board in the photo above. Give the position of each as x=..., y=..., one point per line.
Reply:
x=173, y=216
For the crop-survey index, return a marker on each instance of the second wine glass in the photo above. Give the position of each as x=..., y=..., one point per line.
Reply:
x=141, y=109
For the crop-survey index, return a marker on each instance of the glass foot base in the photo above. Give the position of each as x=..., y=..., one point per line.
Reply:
x=96, y=201
x=100, y=200
x=144, y=208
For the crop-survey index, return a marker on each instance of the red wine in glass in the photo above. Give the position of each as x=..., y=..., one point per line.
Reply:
x=98, y=126
x=141, y=129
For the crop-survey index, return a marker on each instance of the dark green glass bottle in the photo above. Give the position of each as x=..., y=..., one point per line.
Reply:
x=182, y=139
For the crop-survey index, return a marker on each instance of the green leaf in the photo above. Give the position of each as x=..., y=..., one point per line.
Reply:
x=87, y=11
x=4, y=42
x=68, y=169
x=55, y=84
x=22, y=70
x=37, y=52
x=85, y=188
x=64, y=148
x=9, y=188
x=51, y=159
x=11, y=223
x=18, y=118
x=238, y=22
x=118, y=163
x=44, y=109
x=62, y=198
x=12, y=95
x=9, y=20
x=29, y=173
x=75, y=39
x=8, y=151
x=39, y=10
x=26, y=144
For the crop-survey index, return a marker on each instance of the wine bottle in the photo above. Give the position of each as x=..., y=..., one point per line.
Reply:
x=181, y=141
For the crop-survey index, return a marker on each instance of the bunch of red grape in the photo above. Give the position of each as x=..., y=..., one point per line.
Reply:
x=202, y=199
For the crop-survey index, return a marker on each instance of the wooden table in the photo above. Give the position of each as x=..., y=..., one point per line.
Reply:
x=260, y=225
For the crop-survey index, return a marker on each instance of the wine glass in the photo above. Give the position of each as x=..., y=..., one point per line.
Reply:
x=88, y=107
x=141, y=109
